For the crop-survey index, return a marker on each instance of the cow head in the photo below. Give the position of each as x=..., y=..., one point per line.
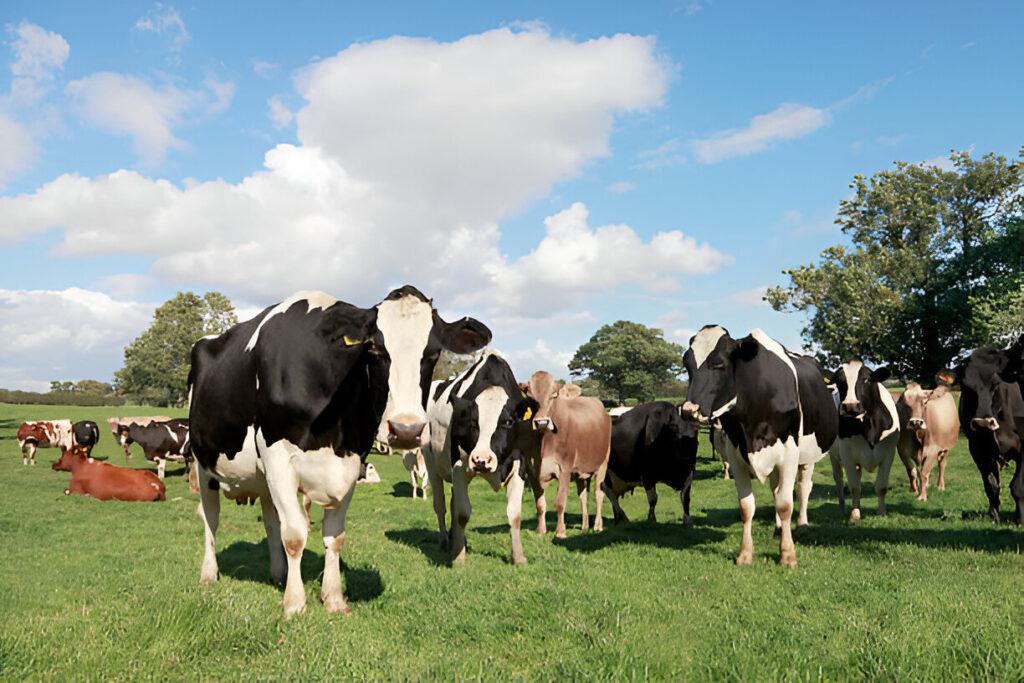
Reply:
x=708, y=362
x=68, y=457
x=853, y=380
x=990, y=387
x=409, y=338
x=916, y=399
x=543, y=389
x=124, y=436
x=481, y=428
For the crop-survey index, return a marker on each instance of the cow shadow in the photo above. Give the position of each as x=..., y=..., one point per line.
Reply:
x=670, y=535
x=401, y=489
x=244, y=561
x=424, y=540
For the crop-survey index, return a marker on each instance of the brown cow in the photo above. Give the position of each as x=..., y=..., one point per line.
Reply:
x=575, y=445
x=43, y=434
x=929, y=428
x=106, y=482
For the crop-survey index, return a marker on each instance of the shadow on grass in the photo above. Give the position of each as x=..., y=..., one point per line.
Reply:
x=402, y=489
x=251, y=562
x=423, y=540
x=662, y=535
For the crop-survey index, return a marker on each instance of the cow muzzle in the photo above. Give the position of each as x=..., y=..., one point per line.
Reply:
x=691, y=411
x=916, y=423
x=989, y=423
x=544, y=423
x=484, y=462
x=852, y=409
x=405, y=434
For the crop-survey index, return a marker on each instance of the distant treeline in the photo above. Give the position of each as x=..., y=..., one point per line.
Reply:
x=60, y=398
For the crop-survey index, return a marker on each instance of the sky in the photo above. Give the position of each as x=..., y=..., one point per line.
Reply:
x=546, y=167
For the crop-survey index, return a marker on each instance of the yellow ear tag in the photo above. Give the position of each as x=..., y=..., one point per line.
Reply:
x=351, y=342
x=528, y=414
x=827, y=380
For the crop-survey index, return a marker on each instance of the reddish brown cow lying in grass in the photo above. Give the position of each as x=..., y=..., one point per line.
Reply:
x=107, y=482
x=576, y=443
x=929, y=428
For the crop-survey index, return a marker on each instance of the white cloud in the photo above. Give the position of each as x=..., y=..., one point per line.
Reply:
x=622, y=187
x=787, y=122
x=538, y=357
x=38, y=54
x=125, y=285
x=71, y=334
x=125, y=105
x=166, y=24
x=222, y=91
x=265, y=69
x=674, y=327
x=574, y=261
x=279, y=113
x=666, y=154
x=19, y=149
x=751, y=298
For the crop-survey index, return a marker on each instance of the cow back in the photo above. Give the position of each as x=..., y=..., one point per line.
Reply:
x=583, y=432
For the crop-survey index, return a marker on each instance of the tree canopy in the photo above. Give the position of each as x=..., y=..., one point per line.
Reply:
x=934, y=267
x=629, y=359
x=157, y=363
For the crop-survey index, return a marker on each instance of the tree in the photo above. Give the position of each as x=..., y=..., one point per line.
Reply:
x=934, y=260
x=157, y=363
x=629, y=359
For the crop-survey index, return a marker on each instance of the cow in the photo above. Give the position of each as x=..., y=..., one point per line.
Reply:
x=471, y=420
x=818, y=407
x=43, y=434
x=160, y=441
x=575, y=445
x=85, y=433
x=869, y=429
x=104, y=481
x=293, y=399
x=115, y=422
x=929, y=428
x=992, y=418
x=749, y=390
x=651, y=443
x=417, y=469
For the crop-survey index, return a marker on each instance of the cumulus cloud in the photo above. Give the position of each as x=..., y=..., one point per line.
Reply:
x=574, y=261
x=279, y=113
x=38, y=55
x=19, y=149
x=71, y=334
x=527, y=361
x=675, y=328
x=787, y=122
x=166, y=24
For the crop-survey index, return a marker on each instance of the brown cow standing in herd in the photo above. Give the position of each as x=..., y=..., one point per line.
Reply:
x=929, y=428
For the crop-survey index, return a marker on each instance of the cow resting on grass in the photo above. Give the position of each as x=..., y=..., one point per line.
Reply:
x=103, y=481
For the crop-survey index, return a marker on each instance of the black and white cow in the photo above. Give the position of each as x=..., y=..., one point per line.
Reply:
x=992, y=418
x=159, y=440
x=472, y=423
x=651, y=443
x=293, y=400
x=869, y=429
x=749, y=388
x=818, y=404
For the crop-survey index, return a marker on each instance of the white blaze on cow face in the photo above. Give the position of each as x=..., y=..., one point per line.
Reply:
x=489, y=405
x=405, y=324
x=705, y=342
x=851, y=371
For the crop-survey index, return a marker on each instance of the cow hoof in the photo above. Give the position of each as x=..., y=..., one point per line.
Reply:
x=560, y=534
x=599, y=527
x=460, y=558
x=335, y=605
x=291, y=610
x=855, y=515
x=922, y=498
x=519, y=561
x=687, y=523
x=788, y=560
x=745, y=559
x=800, y=526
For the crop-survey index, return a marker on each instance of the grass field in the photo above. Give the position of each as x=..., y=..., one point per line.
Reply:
x=109, y=590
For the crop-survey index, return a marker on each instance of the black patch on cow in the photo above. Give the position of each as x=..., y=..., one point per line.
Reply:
x=819, y=410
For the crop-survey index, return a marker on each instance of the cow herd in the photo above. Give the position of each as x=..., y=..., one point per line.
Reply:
x=291, y=402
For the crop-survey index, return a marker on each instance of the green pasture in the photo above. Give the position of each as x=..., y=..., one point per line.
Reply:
x=110, y=590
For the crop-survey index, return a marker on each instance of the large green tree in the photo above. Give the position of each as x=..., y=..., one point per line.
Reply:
x=629, y=359
x=156, y=364
x=934, y=262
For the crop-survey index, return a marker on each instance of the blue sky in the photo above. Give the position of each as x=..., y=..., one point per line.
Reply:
x=545, y=167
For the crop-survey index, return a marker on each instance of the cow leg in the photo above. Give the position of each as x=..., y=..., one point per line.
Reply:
x=908, y=464
x=437, y=492
x=331, y=594
x=989, y=470
x=882, y=480
x=837, y=477
x=272, y=525
x=930, y=457
x=804, y=484
x=942, y=457
x=461, y=511
x=618, y=514
x=284, y=490
x=161, y=466
x=853, y=474
x=684, y=495
x=599, y=478
x=773, y=481
x=784, y=511
x=652, y=500
x=563, y=493
x=582, y=487
x=746, y=497
x=209, y=510
x=514, y=512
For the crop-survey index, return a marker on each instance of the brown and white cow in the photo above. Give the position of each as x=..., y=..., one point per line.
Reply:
x=43, y=434
x=103, y=481
x=929, y=428
x=575, y=446
x=116, y=422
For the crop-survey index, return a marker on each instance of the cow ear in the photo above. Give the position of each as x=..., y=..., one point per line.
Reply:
x=881, y=374
x=464, y=336
x=746, y=349
x=650, y=431
x=526, y=409
x=570, y=391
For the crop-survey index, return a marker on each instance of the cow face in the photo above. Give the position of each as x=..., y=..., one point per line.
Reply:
x=410, y=337
x=853, y=381
x=124, y=436
x=708, y=363
x=989, y=389
x=481, y=428
x=543, y=389
x=916, y=400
